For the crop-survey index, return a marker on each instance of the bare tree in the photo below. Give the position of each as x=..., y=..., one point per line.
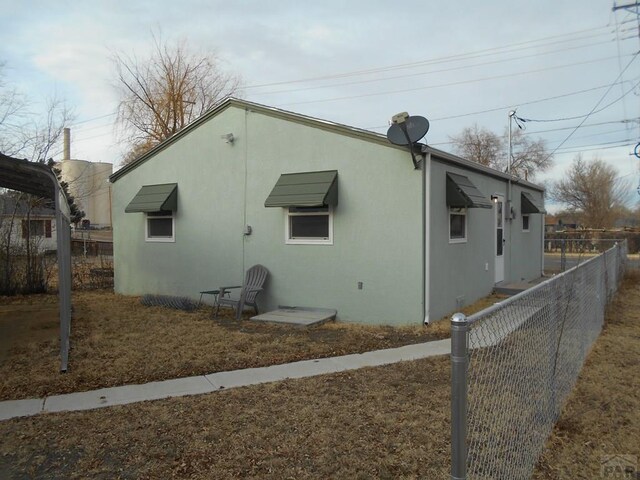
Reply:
x=25, y=134
x=481, y=145
x=593, y=190
x=528, y=156
x=165, y=92
x=43, y=134
x=12, y=116
x=33, y=136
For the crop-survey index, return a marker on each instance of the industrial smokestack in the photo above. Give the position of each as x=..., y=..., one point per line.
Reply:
x=67, y=144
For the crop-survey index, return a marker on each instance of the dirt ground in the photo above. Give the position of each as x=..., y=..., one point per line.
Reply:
x=387, y=422
x=116, y=341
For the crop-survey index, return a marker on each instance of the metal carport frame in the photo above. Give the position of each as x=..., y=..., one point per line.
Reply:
x=38, y=179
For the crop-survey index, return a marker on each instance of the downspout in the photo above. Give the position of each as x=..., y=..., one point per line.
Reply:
x=426, y=235
x=244, y=209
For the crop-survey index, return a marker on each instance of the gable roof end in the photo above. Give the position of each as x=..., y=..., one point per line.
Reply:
x=326, y=125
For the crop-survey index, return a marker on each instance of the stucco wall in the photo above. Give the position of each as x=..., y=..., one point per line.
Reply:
x=377, y=224
x=527, y=249
x=221, y=187
x=208, y=247
x=464, y=272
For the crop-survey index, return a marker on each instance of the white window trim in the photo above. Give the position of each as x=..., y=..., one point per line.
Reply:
x=307, y=241
x=170, y=239
x=463, y=212
x=528, y=224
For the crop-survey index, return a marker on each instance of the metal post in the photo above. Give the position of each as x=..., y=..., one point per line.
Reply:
x=510, y=147
x=563, y=256
x=459, y=366
x=509, y=160
x=63, y=237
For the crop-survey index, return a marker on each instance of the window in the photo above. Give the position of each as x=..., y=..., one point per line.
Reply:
x=160, y=227
x=309, y=225
x=36, y=228
x=457, y=225
x=525, y=223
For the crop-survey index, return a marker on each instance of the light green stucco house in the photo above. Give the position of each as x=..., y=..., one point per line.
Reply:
x=338, y=215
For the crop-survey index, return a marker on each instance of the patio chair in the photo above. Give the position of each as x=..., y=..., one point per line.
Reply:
x=253, y=283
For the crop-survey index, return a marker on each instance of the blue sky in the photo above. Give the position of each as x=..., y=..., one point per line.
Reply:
x=358, y=63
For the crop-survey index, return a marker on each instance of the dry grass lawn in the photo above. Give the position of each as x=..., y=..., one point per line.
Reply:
x=386, y=422
x=602, y=415
x=116, y=340
x=383, y=423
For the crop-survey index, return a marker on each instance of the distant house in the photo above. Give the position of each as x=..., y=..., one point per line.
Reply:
x=338, y=215
x=22, y=223
x=554, y=223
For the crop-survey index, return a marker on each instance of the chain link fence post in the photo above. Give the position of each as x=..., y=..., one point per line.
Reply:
x=459, y=366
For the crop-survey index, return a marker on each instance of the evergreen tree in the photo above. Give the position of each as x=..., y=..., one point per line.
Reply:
x=76, y=213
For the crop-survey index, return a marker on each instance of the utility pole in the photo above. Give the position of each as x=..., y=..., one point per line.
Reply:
x=628, y=6
x=631, y=7
x=510, y=156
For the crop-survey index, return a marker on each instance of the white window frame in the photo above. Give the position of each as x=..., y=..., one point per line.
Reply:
x=149, y=216
x=528, y=229
x=307, y=241
x=462, y=212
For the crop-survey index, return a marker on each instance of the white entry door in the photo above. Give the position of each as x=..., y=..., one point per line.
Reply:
x=499, y=238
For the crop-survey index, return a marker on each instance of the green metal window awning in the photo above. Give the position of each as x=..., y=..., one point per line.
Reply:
x=155, y=198
x=528, y=204
x=462, y=193
x=308, y=189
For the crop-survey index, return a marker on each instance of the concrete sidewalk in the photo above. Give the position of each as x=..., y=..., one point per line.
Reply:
x=106, y=397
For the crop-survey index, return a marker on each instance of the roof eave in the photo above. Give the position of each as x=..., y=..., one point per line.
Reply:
x=469, y=165
x=271, y=111
x=339, y=128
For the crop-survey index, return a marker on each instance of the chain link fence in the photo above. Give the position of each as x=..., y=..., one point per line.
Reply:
x=515, y=363
x=562, y=254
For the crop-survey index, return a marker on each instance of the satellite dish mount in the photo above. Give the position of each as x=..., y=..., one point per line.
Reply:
x=408, y=130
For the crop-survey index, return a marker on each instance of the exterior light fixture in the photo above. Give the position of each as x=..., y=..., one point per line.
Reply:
x=228, y=138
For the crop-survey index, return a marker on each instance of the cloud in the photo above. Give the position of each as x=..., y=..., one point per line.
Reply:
x=65, y=47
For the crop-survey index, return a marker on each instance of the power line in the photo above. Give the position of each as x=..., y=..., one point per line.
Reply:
x=555, y=97
x=596, y=148
x=461, y=56
x=431, y=72
x=537, y=132
x=625, y=142
x=93, y=119
x=462, y=82
x=595, y=106
x=602, y=134
x=560, y=129
x=591, y=112
x=531, y=102
x=94, y=127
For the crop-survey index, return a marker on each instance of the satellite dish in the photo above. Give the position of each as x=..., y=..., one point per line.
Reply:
x=408, y=132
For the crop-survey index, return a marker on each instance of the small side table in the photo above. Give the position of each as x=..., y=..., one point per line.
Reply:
x=215, y=294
